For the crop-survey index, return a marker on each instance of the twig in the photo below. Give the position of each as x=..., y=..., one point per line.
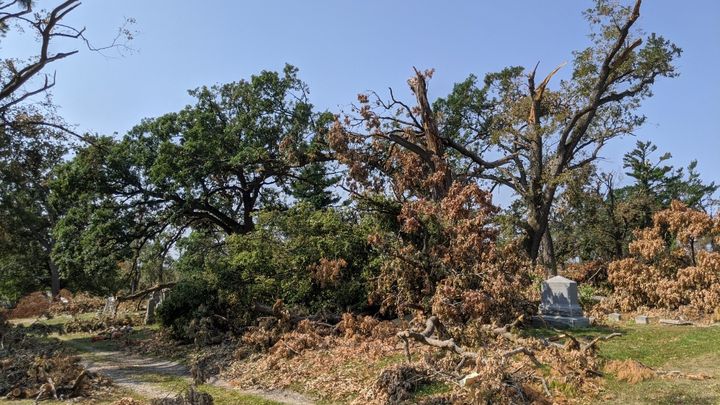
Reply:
x=544, y=384
x=525, y=351
x=599, y=338
x=290, y=348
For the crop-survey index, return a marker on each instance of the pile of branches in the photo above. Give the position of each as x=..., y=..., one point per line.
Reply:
x=93, y=325
x=675, y=265
x=80, y=303
x=35, y=368
x=31, y=306
x=506, y=368
x=112, y=333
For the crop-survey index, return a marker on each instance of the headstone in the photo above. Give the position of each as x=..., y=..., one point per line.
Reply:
x=153, y=301
x=560, y=305
x=675, y=322
x=110, y=307
x=641, y=320
x=614, y=317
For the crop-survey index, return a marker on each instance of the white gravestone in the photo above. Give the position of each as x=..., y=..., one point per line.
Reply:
x=560, y=305
x=153, y=302
x=110, y=308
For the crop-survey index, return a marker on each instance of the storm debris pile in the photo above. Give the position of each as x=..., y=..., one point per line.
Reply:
x=98, y=324
x=34, y=368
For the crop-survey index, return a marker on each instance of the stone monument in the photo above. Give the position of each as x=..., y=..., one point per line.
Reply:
x=110, y=308
x=153, y=302
x=559, y=305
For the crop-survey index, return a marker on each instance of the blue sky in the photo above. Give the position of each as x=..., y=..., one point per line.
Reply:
x=346, y=47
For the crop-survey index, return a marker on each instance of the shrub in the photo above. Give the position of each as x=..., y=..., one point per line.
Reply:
x=315, y=259
x=586, y=292
x=188, y=302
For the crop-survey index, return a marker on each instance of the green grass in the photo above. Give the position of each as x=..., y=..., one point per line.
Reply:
x=433, y=388
x=224, y=396
x=687, y=349
x=220, y=395
x=656, y=345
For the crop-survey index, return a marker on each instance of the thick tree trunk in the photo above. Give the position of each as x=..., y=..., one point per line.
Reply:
x=549, y=253
x=47, y=244
x=538, y=221
x=535, y=239
x=54, y=278
x=135, y=273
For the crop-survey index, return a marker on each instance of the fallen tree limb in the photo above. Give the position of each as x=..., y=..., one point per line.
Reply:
x=599, y=338
x=145, y=292
x=433, y=323
x=506, y=331
x=268, y=310
x=424, y=337
x=525, y=351
x=75, y=389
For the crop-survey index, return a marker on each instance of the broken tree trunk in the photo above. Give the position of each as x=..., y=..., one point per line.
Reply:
x=433, y=323
x=143, y=293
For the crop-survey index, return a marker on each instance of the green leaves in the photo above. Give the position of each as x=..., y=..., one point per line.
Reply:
x=289, y=254
x=28, y=154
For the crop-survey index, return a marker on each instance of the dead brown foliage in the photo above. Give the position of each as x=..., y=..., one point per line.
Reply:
x=361, y=360
x=631, y=371
x=334, y=363
x=446, y=259
x=397, y=383
x=31, y=306
x=40, y=368
x=76, y=304
x=675, y=265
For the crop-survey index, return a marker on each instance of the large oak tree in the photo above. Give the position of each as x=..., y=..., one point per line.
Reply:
x=208, y=167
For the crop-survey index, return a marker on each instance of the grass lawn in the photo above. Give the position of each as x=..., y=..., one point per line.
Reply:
x=221, y=396
x=688, y=349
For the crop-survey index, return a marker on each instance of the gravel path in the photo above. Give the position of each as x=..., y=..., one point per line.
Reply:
x=131, y=372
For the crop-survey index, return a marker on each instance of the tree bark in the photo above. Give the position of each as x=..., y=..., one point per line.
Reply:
x=54, y=278
x=549, y=253
x=145, y=292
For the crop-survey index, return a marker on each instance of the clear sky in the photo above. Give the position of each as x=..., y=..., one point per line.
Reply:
x=346, y=47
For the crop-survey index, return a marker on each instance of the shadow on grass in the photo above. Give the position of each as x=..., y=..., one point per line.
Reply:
x=679, y=396
x=83, y=342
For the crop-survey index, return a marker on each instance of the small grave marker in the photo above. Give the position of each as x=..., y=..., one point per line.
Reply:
x=642, y=320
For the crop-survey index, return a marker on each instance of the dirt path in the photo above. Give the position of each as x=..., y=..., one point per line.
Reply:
x=143, y=375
